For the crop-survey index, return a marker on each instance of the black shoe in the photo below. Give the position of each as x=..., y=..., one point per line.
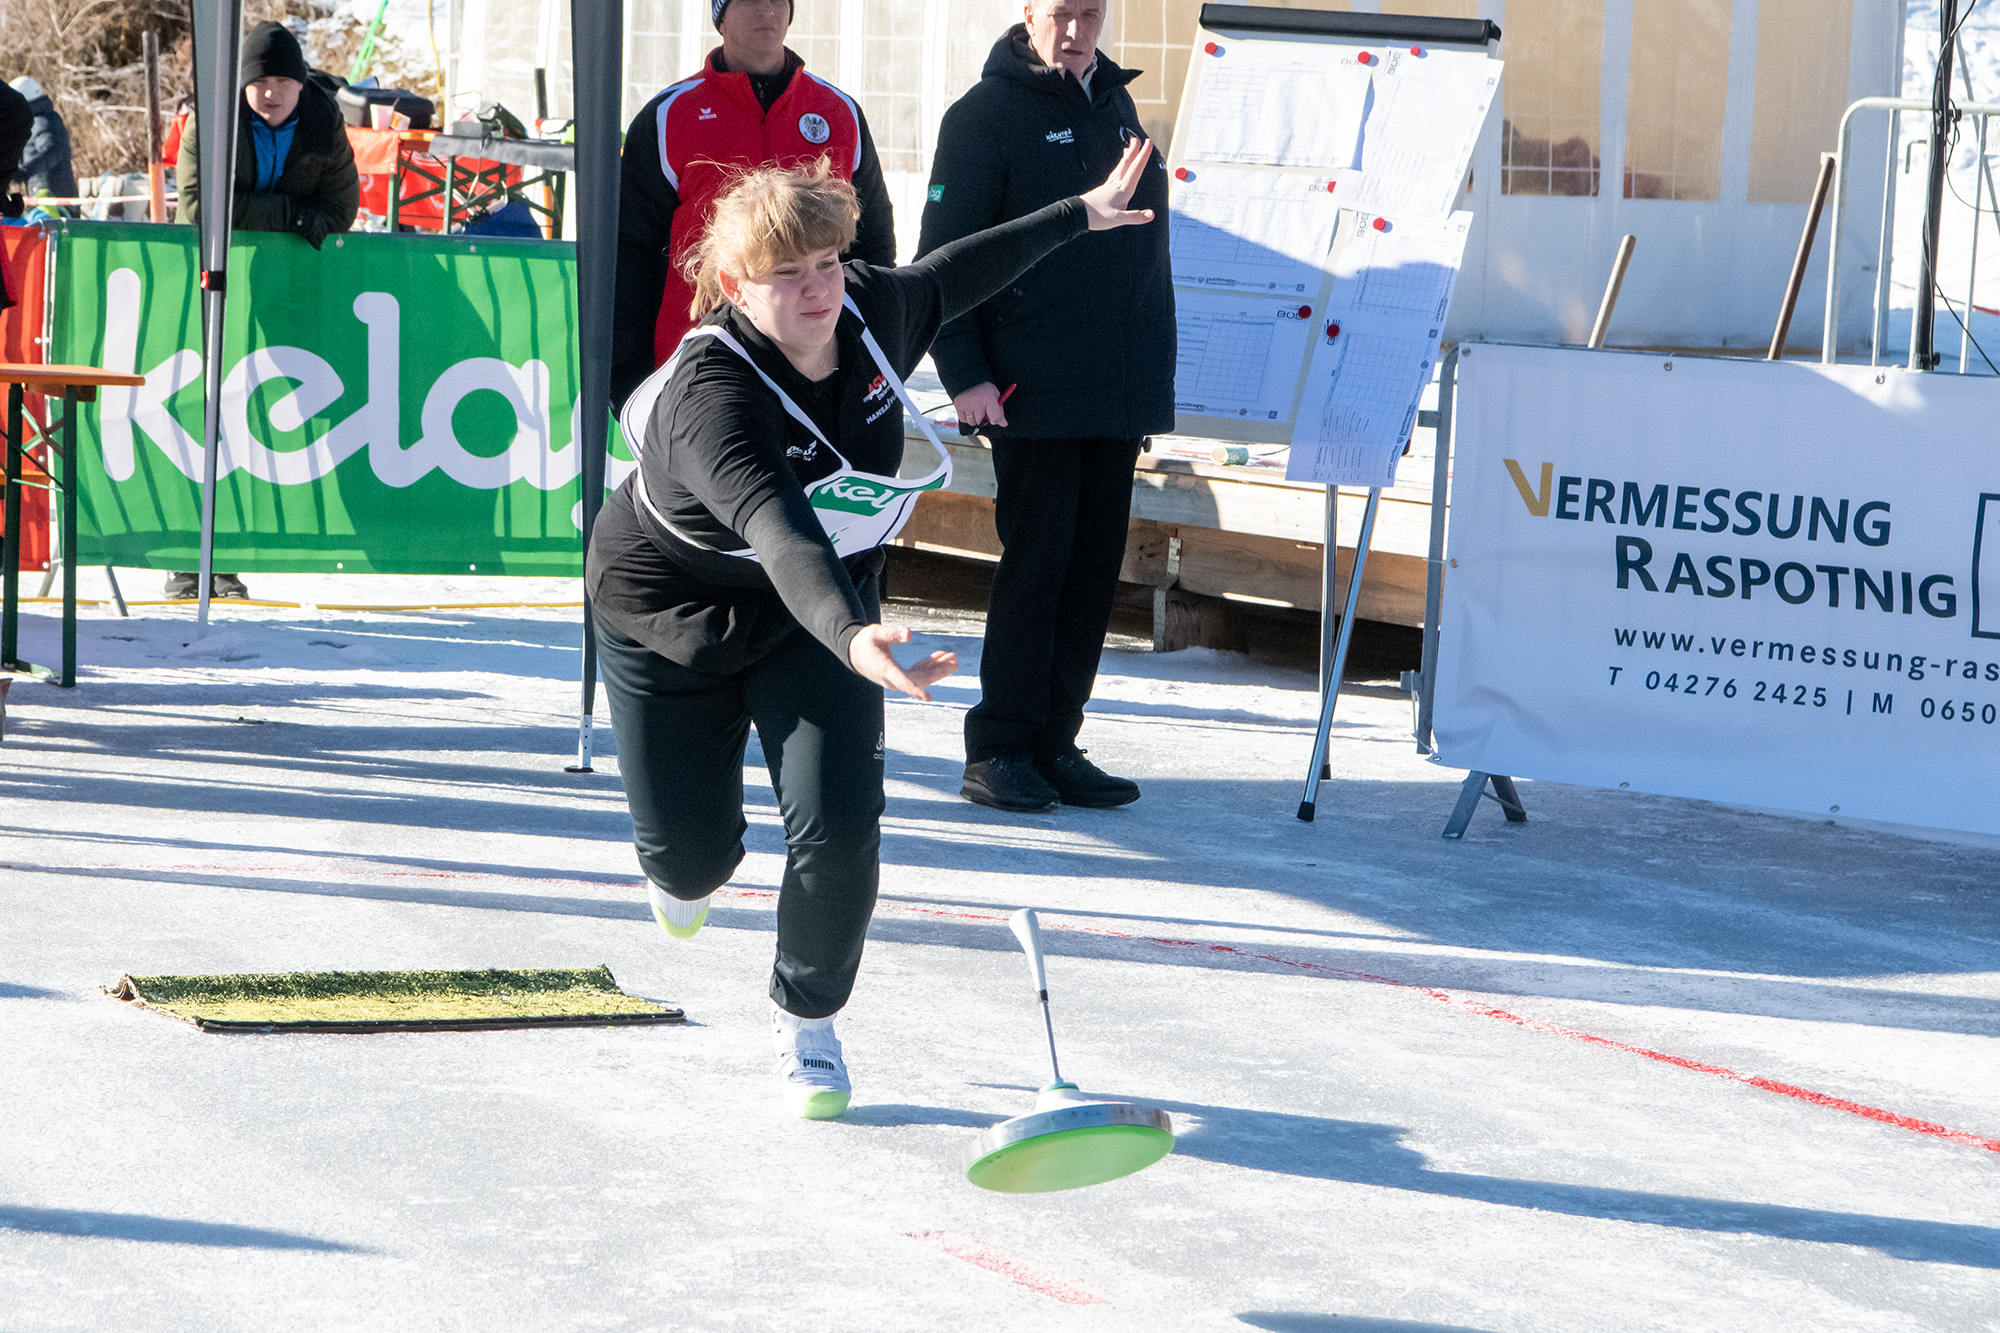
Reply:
x=1080, y=782
x=1009, y=782
x=181, y=586
x=226, y=585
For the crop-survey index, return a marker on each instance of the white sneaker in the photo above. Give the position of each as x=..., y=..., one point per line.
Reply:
x=679, y=918
x=810, y=1065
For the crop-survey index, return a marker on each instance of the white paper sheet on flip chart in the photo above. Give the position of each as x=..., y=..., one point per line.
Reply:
x=1251, y=229
x=1279, y=104
x=1374, y=351
x=1239, y=356
x=1422, y=125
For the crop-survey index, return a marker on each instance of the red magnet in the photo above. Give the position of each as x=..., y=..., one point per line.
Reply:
x=1332, y=331
x=1212, y=49
x=1330, y=185
x=1417, y=51
x=1380, y=224
x=1183, y=174
x=1365, y=58
x=1305, y=312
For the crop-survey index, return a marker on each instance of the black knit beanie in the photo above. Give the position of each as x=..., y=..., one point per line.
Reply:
x=715, y=8
x=271, y=52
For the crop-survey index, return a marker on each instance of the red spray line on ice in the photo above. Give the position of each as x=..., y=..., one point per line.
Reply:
x=960, y=1248
x=1827, y=1100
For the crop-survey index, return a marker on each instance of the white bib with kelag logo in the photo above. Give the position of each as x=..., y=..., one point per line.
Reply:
x=858, y=510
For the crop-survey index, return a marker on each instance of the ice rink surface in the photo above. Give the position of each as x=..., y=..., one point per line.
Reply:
x=1493, y=1085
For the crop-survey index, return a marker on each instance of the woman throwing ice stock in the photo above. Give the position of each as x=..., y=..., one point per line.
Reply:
x=734, y=576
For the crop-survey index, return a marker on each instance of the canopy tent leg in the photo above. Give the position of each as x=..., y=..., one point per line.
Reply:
x=598, y=52
x=217, y=35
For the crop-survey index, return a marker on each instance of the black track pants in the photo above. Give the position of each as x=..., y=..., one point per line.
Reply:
x=1061, y=510
x=681, y=736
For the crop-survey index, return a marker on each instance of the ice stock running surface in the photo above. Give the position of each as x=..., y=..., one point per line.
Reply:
x=345, y=790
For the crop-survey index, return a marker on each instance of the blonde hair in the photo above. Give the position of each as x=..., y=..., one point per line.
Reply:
x=767, y=216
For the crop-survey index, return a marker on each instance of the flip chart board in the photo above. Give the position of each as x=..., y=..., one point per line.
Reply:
x=1304, y=308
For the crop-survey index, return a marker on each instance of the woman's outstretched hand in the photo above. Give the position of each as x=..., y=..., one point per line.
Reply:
x=1107, y=202
x=868, y=653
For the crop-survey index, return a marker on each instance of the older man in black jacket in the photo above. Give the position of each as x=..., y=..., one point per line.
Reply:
x=1065, y=372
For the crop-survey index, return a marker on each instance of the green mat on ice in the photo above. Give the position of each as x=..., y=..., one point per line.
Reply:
x=395, y=1001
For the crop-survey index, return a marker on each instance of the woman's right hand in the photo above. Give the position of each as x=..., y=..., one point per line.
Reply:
x=868, y=653
x=1107, y=202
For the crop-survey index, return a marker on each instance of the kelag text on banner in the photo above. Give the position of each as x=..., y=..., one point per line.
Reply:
x=392, y=404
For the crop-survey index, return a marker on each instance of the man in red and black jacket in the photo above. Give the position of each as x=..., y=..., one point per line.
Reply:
x=753, y=104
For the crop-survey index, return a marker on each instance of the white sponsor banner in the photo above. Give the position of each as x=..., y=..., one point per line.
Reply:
x=1773, y=584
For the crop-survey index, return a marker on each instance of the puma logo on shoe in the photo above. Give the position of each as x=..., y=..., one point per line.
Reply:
x=815, y=1079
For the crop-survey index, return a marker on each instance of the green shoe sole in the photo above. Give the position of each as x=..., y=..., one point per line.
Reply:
x=820, y=1103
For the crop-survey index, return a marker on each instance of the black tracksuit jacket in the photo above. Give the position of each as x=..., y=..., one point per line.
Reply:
x=1087, y=337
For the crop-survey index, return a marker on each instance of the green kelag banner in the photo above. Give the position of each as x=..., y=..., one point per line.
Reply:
x=391, y=403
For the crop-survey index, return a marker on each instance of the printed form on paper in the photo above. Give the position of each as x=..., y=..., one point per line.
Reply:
x=1279, y=104
x=1239, y=356
x=1374, y=350
x=1251, y=229
x=1422, y=125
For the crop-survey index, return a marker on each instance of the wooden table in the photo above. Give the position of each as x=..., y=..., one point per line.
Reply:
x=74, y=384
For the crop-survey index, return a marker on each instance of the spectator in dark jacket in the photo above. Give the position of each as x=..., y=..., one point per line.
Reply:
x=45, y=162
x=1066, y=371
x=294, y=173
x=294, y=167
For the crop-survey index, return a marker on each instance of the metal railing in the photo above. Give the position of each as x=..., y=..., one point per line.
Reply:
x=1983, y=193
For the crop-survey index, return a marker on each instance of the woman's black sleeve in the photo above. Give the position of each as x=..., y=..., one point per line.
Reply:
x=968, y=270
x=795, y=553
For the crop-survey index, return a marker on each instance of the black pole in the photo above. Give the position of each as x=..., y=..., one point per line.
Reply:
x=597, y=74
x=217, y=36
x=1923, y=327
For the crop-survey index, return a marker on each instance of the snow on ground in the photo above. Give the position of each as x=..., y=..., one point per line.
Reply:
x=1410, y=1076
x=1419, y=1085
